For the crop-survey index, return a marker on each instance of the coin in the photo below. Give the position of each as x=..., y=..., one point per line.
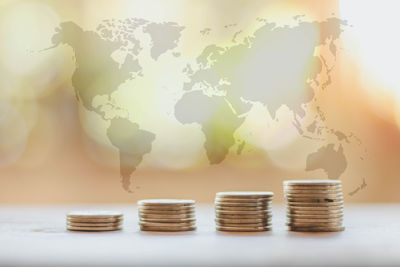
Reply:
x=314, y=195
x=242, y=216
x=315, y=204
x=165, y=216
x=312, y=192
x=317, y=229
x=243, y=200
x=168, y=220
x=167, y=228
x=335, y=224
x=256, y=220
x=314, y=200
x=222, y=207
x=245, y=194
x=166, y=202
x=244, y=204
x=312, y=182
x=94, y=214
x=316, y=208
x=186, y=211
x=315, y=220
x=243, y=225
x=78, y=224
x=305, y=215
x=94, y=229
x=166, y=224
x=243, y=229
x=314, y=213
x=231, y=212
x=95, y=220
x=312, y=187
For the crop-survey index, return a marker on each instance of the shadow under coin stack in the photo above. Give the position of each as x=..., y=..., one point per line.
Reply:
x=314, y=205
x=94, y=221
x=243, y=211
x=170, y=215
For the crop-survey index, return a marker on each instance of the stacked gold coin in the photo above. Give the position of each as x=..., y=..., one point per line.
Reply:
x=170, y=215
x=94, y=221
x=314, y=205
x=243, y=211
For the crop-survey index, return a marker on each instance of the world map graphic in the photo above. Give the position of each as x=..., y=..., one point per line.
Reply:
x=273, y=66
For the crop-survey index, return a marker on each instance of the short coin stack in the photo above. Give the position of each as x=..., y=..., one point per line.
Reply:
x=170, y=215
x=243, y=211
x=94, y=221
x=314, y=205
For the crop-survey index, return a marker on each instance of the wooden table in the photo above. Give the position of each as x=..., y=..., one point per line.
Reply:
x=37, y=236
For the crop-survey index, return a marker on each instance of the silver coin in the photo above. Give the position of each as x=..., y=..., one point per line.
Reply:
x=312, y=182
x=152, y=211
x=167, y=208
x=312, y=187
x=166, y=202
x=337, y=214
x=240, y=221
x=242, y=225
x=245, y=194
x=219, y=207
x=316, y=208
x=238, y=212
x=165, y=216
x=312, y=192
x=168, y=220
x=314, y=213
x=78, y=224
x=316, y=229
x=244, y=200
x=312, y=195
x=243, y=229
x=314, y=220
x=315, y=204
x=93, y=229
x=95, y=214
x=166, y=212
x=241, y=216
x=95, y=220
x=237, y=204
x=167, y=229
x=166, y=224
x=313, y=199
x=338, y=224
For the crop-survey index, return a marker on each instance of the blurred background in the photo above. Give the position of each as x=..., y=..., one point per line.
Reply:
x=55, y=150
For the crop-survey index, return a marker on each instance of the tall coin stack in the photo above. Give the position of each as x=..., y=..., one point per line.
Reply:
x=94, y=221
x=314, y=205
x=170, y=215
x=243, y=211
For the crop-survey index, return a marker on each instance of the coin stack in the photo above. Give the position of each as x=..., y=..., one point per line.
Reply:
x=243, y=211
x=94, y=221
x=170, y=215
x=314, y=205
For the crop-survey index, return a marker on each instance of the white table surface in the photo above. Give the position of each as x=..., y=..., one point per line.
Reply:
x=37, y=236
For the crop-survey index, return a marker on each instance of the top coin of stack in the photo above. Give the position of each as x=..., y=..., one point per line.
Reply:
x=94, y=221
x=314, y=205
x=243, y=211
x=167, y=215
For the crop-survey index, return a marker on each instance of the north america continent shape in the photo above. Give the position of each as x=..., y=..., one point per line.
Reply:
x=97, y=73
